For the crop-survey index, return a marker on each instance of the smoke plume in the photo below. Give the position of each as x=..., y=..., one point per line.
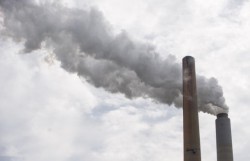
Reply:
x=84, y=44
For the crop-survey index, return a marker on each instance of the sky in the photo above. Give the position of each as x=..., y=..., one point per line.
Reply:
x=86, y=80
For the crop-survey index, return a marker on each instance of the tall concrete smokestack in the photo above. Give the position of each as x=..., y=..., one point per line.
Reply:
x=190, y=112
x=223, y=138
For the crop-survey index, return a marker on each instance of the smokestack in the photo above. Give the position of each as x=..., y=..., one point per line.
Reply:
x=190, y=112
x=223, y=138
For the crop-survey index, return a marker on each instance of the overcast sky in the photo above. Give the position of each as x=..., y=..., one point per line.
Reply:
x=59, y=100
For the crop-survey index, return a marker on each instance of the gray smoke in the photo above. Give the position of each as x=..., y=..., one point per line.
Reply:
x=84, y=44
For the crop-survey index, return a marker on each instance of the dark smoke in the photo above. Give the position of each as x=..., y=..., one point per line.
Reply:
x=84, y=44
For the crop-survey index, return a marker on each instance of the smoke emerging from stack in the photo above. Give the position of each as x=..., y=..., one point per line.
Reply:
x=84, y=44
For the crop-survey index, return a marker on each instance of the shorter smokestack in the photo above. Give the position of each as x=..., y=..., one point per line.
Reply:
x=223, y=138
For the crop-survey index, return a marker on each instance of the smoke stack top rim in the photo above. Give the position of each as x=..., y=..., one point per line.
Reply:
x=222, y=115
x=188, y=57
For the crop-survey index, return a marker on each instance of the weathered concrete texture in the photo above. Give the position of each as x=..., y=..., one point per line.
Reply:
x=223, y=138
x=190, y=112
